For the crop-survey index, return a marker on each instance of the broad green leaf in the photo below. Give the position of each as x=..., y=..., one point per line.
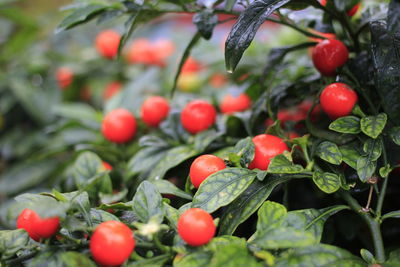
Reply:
x=350, y=154
x=98, y=216
x=217, y=242
x=147, y=202
x=166, y=187
x=157, y=261
x=235, y=255
x=243, y=152
x=205, y=22
x=281, y=165
x=270, y=215
x=79, y=16
x=74, y=259
x=247, y=203
x=283, y=237
x=244, y=30
x=326, y=181
x=395, y=135
x=319, y=255
x=12, y=241
x=146, y=159
x=203, y=139
x=45, y=206
x=171, y=158
x=80, y=112
x=222, y=187
x=365, y=168
x=329, y=152
x=172, y=215
x=373, y=125
x=373, y=148
x=198, y=258
x=347, y=125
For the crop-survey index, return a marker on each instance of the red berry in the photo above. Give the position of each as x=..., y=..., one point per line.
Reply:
x=191, y=65
x=329, y=55
x=338, y=100
x=111, y=89
x=198, y=116
x=266, y=147
x=112, y=243
x=218, y=80
x=204, y=166
x=64, y=77
x=107, y=43
x=196, y=227
x=107, y=166
x=154, y=110
x=231, y=104
x=144, y=52
x=351, y=12
x=36, y=226
x=119, y=126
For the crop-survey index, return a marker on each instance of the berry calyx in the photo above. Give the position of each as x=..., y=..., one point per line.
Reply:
x=204, y=166
x=154, y=110
x=107, y=43
x=196, y=227
x=37, y=227
x=197, y=116
x=119, y=126
x=112, y=243
x=328, y=55
x=231, y=104
x=338, y=100
x=266, y=147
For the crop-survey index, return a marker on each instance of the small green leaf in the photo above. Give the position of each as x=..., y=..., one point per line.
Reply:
x=281, y=165
x=365, y=168
x=98, y=216
x=172, y=215
x=222, y=187
x=243, y=152
x=12, y=241
x=270, y=215
x=157, y=261
x=392, y=214
x=283, y=237
x=373, y=148
x=198, y=258
x=79, y=16
x=166, y=187
x=385, y=171
x=329, y=152
x=395, y=135
x=203, y=139
x=350, y=154
x=373, y=125
x=45, y=206
x=234, y=255
x=347, y=125
x=147, y=202
x=74, y=259
x=327, y=182
x=367, y=256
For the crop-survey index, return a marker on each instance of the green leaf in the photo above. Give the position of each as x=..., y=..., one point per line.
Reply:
x=329, y=152
x=365, y=168
x=80, y=112
x=157, y=261
x=350, y=154
x=205, y=22
x=385, y=171
x=229, y=4
x=166, y=187
x=395, y=135
x=147, y=202
x=326, y=181
x=80, y=16
x=222, y=187
x=12, y=241
x=98, y=216
x=270, y=215
x=45, y=206
x=392, y=214
x=283, y=237
x=198, y=258
x=393, y=17
x=74, y=259
x=244, y=30
x=373, y=148
x=172, y=158
x=318, y=255
x=172, y=215
x=247, y=203
x=203, y=139
x=281, y=165
x=347, y=125
x=234, y=255
x=394, y=259
x=145, y=159
x=373, y=125
x=243, y=152
x=367, y=256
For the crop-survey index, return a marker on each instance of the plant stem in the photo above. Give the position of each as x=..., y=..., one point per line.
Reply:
x=372, y=223
x=384, y=185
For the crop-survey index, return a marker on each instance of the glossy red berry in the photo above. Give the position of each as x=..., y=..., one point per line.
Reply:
x=112, y=243
x=64, y=77
x=328, y=55
x=111, y=89
x=196, y=227
x=107, y=166
x=107, y=43
x=338, y=100
x=119, y=126
x=266, y=147
x=154, y=110
x=204, y=166
x=191, y=65
x=197, y=116
x=231, y=104
x=37, y=227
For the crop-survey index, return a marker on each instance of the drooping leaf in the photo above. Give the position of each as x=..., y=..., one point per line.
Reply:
x=348, y=125
x=166, y=187
x=373, y=125
x=365, y=168
x=329, y=152
x=326, y=181
x=222, y=187
x=282, y=165
x=147, y=202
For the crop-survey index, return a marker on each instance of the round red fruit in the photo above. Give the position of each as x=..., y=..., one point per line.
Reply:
x=197, y=116
x=107, y=43
x=338, y=100
x=64, y=77
x=107, y=166
x=111, y=89
x=196, y=227
x=154, y=110
x=266, y=147
x=231, y=104
x=119, y=126
x=191, y=65
x=37, y=227
x=204, y=166
x=328, y=55
x=112, y=243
